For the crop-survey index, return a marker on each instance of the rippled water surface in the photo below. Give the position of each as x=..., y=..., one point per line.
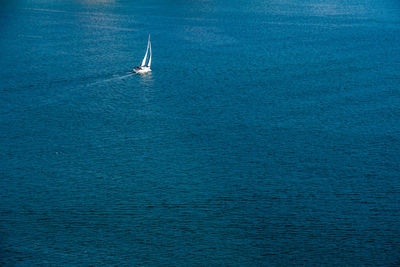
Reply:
x=268, y=133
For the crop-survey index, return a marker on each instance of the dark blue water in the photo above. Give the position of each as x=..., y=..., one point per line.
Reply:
x=267, y=134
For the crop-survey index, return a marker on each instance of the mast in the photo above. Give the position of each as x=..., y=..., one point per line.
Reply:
x=145, y=56
x=149, y=64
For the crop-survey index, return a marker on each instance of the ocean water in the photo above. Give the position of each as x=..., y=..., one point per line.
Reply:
x=267, y=134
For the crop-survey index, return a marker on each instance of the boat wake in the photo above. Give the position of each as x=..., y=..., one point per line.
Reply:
x=119, y=77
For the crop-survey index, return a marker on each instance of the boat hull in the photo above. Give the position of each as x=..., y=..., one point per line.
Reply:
x=141, y=70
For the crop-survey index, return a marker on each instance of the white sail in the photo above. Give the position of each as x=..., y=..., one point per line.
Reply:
x=145, y=56
x=149, y=64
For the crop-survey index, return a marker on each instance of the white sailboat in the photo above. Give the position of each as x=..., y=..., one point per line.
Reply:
x=143, y=68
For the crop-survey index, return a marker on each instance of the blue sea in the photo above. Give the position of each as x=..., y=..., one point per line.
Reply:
x=267, y=133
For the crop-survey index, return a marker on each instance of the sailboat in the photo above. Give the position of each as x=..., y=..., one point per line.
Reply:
x=143, y=68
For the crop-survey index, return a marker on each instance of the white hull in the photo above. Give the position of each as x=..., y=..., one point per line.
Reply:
x=141, y=70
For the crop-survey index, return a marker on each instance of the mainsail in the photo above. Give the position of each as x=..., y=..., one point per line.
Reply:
x=149, y=64
x=147, y=51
